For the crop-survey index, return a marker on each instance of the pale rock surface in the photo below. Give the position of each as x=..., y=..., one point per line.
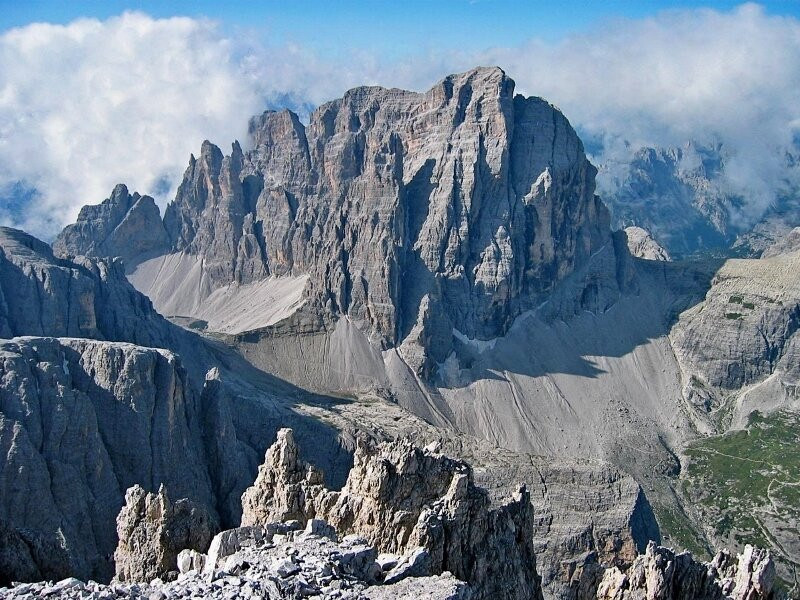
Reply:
x=745, y=329
x=404, y=499
x=642, y=245
x=153, y=530
x=276, y=566
x=662, y=574
x=285, y=487
x=787, y=244
x=190, y=560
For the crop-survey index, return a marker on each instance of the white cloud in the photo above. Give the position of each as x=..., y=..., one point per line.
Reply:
x=90, y=104
x=729, y=77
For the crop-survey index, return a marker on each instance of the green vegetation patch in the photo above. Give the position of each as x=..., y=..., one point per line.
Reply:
x=749, y=305
x=735, y=300
x=677, y=530
x=738, y=478
x=733, y=315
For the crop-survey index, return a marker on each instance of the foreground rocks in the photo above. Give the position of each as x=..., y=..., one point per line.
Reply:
x=409, y=523
x=270, y=566
x=152, y=531
x=411, y=502
x=662, y=574
x=81, y=421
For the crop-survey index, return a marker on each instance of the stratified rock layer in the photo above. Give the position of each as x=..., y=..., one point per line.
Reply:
x=468, y=195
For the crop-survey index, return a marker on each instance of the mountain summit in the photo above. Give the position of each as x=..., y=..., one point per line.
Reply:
x=466, y=201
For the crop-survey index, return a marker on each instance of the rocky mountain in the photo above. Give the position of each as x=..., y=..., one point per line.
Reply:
x=684, y=197
x=125, y=225
x=438, y=264
x=415, y=503
x=101, y=406
x=479, y=200
x=678, y=195
x=100, y=415
x=47, y=296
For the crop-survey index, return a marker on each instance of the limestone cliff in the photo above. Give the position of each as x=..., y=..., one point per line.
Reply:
x=81, y=421
x=125, y=225
x=468, y=195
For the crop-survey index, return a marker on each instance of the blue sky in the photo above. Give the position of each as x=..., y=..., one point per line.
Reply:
x=95, y=93
x=392, y=28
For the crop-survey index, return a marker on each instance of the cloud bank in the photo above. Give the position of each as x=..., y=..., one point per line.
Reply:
x=91, y=104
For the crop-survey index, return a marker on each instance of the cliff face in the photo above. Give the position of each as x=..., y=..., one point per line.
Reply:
x=43, y=295
x=85, y=414
x=466, y=198
x=80, y=421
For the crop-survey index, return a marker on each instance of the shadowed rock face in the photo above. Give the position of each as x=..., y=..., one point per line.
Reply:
x=468, y=195
x=45, y=295
x=80, y=421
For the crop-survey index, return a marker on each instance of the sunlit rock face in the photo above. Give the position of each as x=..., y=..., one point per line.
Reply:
x=468, y=196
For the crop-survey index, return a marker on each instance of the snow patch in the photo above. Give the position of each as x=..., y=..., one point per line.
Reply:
x=480, y=345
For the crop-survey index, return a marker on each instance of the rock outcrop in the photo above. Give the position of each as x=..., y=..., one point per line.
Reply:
x=81, y=421
x=745, y=329
x=787, y=244
x=642, y=245
x=125, y=225
x=411, y=502
x=288, y=565
x=285, y=488
x=152, y=532
x=42, y=295
x=662, y=574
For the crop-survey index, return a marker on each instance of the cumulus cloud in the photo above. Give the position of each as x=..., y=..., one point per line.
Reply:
x=90, y=104
x=728, y=78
